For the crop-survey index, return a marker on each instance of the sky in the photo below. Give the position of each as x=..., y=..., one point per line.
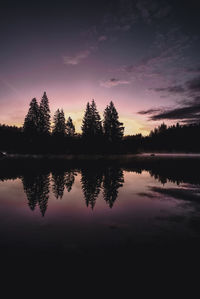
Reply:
x=141, y=54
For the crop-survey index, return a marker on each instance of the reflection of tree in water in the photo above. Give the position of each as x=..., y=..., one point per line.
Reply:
x=70, y=178
x=160, y=178
x=36, y=188
x=60, y=180
x=91, y=183
x=112, y=181
x=58, y=184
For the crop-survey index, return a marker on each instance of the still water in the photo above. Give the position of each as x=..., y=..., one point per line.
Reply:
x=95, y=209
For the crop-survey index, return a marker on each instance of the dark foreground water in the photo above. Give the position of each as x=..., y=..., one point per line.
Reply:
x=98, y=208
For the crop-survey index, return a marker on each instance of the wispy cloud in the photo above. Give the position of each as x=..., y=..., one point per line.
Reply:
x=77, y=58
x=102, y=38
x=10, y=86
x=151, y=10
x=166, y=53
x=82, y=55
x=149, y=111
x=171, y=89
x=113, y=82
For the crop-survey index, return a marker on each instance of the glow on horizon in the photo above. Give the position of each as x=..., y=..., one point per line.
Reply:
x=15, y=116
x=132, y=126
x=73, y=99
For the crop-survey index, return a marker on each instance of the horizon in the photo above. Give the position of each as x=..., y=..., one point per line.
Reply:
x=142, y=55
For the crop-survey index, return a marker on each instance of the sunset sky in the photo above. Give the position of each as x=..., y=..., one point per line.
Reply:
x=141, y=54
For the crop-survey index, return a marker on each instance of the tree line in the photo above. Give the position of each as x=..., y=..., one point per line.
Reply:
x=40, y=135
x=38, y=121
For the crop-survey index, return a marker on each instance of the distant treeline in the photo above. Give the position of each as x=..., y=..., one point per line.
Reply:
x=98, y=136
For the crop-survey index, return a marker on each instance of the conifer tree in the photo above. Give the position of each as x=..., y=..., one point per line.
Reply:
x=91, y=126
x=70, y=128
x=86, y=123
x=31, y=122
x=59, y=127
x=112, y=128
x=96, y=120
x=44, y=125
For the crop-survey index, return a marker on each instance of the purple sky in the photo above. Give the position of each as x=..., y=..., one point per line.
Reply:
x=143, y=55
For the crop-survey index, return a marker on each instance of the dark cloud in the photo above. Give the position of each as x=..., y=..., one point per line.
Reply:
x=189, y=108
x=183, y=113
x=150, y=111
x=195, y=69
x=194, y=84
x=113, y=82
x=171, y=89
x=187, y=113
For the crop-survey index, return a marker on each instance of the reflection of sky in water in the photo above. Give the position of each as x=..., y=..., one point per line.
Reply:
x=144, y=211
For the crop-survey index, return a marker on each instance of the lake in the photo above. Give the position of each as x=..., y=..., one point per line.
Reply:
x=89, y=208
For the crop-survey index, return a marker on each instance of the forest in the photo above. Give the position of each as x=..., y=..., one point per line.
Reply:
x=39, y=135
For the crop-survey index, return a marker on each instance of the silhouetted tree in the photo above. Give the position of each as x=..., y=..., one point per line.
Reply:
x=44, y=120
x=91, y=184
x=58, y=184
x=70, y=128
x=59, y=127
x=96, y=120
x=91, y=125
x=113, y=179
x=112, y=128
x=31, y=122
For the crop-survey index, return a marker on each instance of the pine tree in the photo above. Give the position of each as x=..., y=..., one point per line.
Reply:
x=31, y=122
x=70, y=128
x=96, y=120
x=86, y=124
x=44, y=125
x=59, y=128
x=112, y=128
x=91, y=126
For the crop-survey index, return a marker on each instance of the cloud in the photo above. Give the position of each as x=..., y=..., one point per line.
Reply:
x=170, y=89
x=193, y=84
x=164, y=58
x=113, y=82
x=77, y=58
x=188, y=112
x=195, y=69
x=10, y=86
x=150, y=111
x=182, y=113
x=151, y=10
x=102, y=38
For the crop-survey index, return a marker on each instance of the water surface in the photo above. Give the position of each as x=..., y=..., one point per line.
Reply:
x=97, y=208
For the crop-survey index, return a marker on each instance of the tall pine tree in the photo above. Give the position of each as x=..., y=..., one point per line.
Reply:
x=112, y=128
x=91, y=125
x=44, y=124
x=59, y=127
x=31, y=122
